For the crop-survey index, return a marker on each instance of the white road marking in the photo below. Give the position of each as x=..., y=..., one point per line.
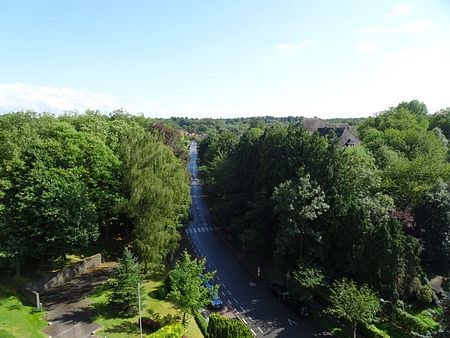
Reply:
x=223, y=293
x=223, y=284
x=291, y=322
x=228, y=291
x=260, y=329
x=242, y=308
x=218, y=278
x=244, y=321
x=250, y=318
x=253, y=332
x=236, y=301
x=59, y=334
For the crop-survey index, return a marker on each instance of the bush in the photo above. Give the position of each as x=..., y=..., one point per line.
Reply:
x=201, y=322
x=371, y=331
x=412, y=323
x=150, y=325
x=169, y=331
x=425, y=294
x=221, y=327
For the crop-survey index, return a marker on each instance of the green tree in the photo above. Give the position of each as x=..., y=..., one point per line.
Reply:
x=357, y=305
x=297, y=203
x=221, y=327
x=156, y=187
x=187, y=282
x=124, y=286
x=433, y=227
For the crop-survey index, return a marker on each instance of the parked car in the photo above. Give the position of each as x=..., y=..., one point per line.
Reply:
x=216, y=301
x=300, y=308
x=280, y=292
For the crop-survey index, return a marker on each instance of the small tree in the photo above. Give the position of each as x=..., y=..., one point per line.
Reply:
x=124, y=287
x=356, y=305
x=221, y=327
x=309, y=278
x=187, y=282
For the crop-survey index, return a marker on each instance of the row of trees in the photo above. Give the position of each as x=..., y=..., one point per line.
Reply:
x=377, y=214
x=75, y=182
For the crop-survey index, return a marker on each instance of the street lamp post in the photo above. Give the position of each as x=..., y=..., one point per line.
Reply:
x=139, y=304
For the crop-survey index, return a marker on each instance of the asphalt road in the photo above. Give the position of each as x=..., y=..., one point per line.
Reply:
x=249, y=299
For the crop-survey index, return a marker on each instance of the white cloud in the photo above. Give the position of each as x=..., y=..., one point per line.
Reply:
x=373, y=29
x=290, y=49
x=366, y=47
x=20, y=96
x=414, y=26
x=399, y=10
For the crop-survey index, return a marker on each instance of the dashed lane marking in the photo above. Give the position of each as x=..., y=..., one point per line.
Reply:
x=260, y=329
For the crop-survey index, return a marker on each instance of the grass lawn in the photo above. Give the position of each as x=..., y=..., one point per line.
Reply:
x=18, y=320
x=127, y=327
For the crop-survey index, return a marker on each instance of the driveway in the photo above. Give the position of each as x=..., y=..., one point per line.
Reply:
x=67, y=307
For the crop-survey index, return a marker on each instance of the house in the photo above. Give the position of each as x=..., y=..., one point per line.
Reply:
x=344, y=131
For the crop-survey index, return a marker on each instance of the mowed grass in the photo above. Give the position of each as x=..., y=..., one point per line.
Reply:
x=18, y=320
x=114, y=327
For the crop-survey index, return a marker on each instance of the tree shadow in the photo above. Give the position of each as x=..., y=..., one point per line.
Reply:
x=103, y=309
x=124, y=327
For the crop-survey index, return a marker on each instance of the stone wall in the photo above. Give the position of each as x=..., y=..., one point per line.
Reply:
x=70, y=272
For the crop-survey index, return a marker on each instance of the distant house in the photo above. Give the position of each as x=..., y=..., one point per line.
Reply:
x=343, y=131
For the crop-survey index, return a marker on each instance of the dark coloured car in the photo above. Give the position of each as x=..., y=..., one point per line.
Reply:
x=280, y=292
x=300, y=308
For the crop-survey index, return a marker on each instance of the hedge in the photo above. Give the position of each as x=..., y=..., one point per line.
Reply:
x=201, y=322
x=411, y=323
x=371, y=331
x=221, y=327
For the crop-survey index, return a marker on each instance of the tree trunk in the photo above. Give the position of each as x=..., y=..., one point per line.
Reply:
x=354, y=331
x=184, y=319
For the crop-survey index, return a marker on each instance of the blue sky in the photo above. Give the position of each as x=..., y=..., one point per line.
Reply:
x=204, y=58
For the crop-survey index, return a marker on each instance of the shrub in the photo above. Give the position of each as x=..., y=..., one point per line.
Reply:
x=150, y=325
x=425, y=294
x=169, y=331
x=201, y=322
x=411, y=323
x=221, y=327
x=371, y=331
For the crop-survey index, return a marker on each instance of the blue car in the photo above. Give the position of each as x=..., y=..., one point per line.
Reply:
x=216, y=301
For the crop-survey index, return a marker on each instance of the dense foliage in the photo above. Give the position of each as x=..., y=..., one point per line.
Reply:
x=75, y=182
x=376, y=214
x=357, y=305
x=221, y=327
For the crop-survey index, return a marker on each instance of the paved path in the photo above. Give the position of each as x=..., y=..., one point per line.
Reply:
x=67, y=307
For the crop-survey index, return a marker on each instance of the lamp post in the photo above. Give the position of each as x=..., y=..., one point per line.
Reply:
x=139, y=304
x=392, y=309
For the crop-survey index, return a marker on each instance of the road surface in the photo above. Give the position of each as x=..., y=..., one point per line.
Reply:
x=249, y=299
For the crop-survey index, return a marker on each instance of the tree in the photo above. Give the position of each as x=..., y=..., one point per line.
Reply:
x=156, y=187
x=357, y=305
x=221, y=327
x=433, y=227
x=297, y=203
x=124, y=286
x=187, y=283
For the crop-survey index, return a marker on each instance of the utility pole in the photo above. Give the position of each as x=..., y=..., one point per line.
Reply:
x=139, y=303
